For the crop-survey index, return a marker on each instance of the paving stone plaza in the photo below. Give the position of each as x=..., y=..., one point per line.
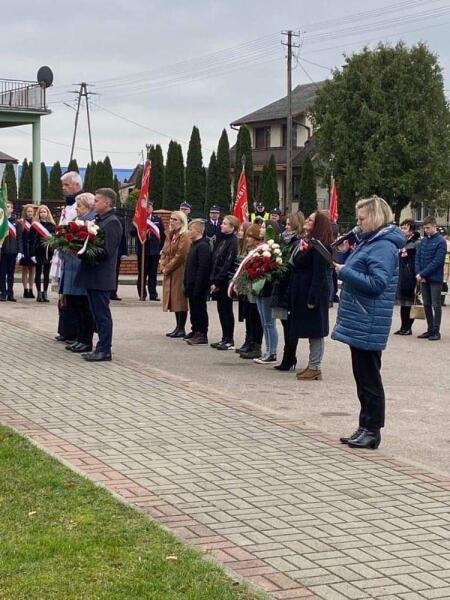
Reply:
x=262, y=486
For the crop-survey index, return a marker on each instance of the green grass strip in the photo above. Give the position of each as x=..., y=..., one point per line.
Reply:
x=62, y=537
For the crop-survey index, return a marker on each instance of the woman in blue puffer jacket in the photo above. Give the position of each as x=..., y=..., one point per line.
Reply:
x=369, y=277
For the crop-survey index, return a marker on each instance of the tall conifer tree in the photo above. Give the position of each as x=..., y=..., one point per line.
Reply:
x=9, y=177
x=212, y=185
x=54, y=184
x=244, y=148
x=73, y=165
x=308, y=190
x=174, y=177
x=44, y=181
x=223, y=196
x=157, y=187
x=195, y=177
x=269, y=188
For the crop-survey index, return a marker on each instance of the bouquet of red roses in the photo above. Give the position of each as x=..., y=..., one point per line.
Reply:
x=264, y=264
x=83, y=239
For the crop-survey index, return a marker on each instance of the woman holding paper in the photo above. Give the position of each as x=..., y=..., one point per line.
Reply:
x=369, y=275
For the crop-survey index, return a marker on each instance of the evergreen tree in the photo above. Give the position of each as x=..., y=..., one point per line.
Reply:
x=174, y=177
x=223, y=198
x=269, y=188
x=195, y=178
x=244, y=148
x=109, y=174
x=44, y=181
x=139, y=175
x=73, y=166
x=385, y=120
x=101, y=178
x=116, y=187
x=91, y=187
x=26, y=181
x=54, y=185
x=157, y=183
x=9, y=177
x=308, y=189
x=87, y=175
x=212, y=185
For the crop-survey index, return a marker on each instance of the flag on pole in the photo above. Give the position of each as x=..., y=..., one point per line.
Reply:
x=240, y=209
x=140, y=212
x=4, y=228
x=334, y=199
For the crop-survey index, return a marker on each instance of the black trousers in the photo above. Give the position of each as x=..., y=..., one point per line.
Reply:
x=226, y=315
x=7, y=268
x=84, y=320
x=42, y=269
x=199, y=313
x=253, y=327
x=150, y=275
x=366, y=371
x=99, y=305
x=405, y=316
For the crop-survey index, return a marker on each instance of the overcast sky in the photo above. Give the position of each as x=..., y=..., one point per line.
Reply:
x=171, y=65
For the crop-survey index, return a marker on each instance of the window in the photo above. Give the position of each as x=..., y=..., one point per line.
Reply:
x=262, y=138
x=284, y=136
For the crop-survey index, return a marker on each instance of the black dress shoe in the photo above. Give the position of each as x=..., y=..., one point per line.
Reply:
x=425, y=335
x=356, y=434
x=172, y=333
x=97, y=356
x=366, y=439
x=72, y=346
x=2, y=298
x=79, y=348
x=11, y=298
x=154, y=298
x=179, y=334
x=115, y=298
x=61, y=338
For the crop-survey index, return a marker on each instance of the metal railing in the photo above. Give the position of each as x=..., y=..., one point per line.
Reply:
x=22, y=95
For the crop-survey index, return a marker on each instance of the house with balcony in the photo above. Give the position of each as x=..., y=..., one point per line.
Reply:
x=268, y=130
x=24, y=103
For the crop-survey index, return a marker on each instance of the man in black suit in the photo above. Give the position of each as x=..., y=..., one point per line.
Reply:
x=212, y=226
x=100, y=279
x=152, y=250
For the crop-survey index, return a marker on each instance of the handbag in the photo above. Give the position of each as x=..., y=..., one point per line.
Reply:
x=417, y=309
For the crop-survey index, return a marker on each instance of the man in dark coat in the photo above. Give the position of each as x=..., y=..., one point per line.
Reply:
x=196, y=282
x=213, y=232
x=152, y=251
x=9, y=252
x=99, y=279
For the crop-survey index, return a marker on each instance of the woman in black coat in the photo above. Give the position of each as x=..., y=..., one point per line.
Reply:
x=407, y=276
x=310, y=292
x=42, y=228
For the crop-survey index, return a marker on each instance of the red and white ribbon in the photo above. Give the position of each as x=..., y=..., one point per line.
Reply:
x=42, y=230
x=26, y=224
x=12, y=230
x=153, y=228
x=250, y=255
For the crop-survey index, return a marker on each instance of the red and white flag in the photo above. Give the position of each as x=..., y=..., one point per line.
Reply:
x=140, y=213
x=334, y=199
x=42, y=230
x=240, y=209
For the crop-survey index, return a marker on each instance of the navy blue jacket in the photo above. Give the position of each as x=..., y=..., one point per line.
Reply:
x=102, y=276
x=369, y=276
x=430, y=258
x=13, y=245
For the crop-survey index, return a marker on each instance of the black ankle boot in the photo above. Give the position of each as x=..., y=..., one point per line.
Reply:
x=39, y=297
x=245, y=346
x=44, y=297
x=366, y=439
x=350, y=438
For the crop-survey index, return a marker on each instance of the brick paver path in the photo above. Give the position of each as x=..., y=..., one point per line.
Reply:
x=287, y=508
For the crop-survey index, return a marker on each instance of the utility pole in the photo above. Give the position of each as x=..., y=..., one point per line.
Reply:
x=288, y=198
x=82, y=93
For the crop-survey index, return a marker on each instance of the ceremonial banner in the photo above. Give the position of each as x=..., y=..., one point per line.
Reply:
x=333, y=206
x=240, y=210
x=140, y=213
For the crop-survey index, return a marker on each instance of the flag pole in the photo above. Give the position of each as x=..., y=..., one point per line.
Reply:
x=142, y=271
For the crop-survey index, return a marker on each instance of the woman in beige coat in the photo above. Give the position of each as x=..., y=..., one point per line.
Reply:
x=173, y=260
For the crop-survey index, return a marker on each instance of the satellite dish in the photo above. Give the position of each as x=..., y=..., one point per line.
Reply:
x=45, y=77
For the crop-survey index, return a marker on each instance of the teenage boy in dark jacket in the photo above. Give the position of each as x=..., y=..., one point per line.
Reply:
x=196, y=282
x=10, y=250
x=430, y=259
x=223, y=267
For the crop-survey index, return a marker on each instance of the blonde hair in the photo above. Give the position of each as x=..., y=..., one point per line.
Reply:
x=49, y=214
x=198, y=225
x=233, y=221
x=378, y=211
x=85, y=199
x=296, y=222
x=25, y=208
x=183, y=218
